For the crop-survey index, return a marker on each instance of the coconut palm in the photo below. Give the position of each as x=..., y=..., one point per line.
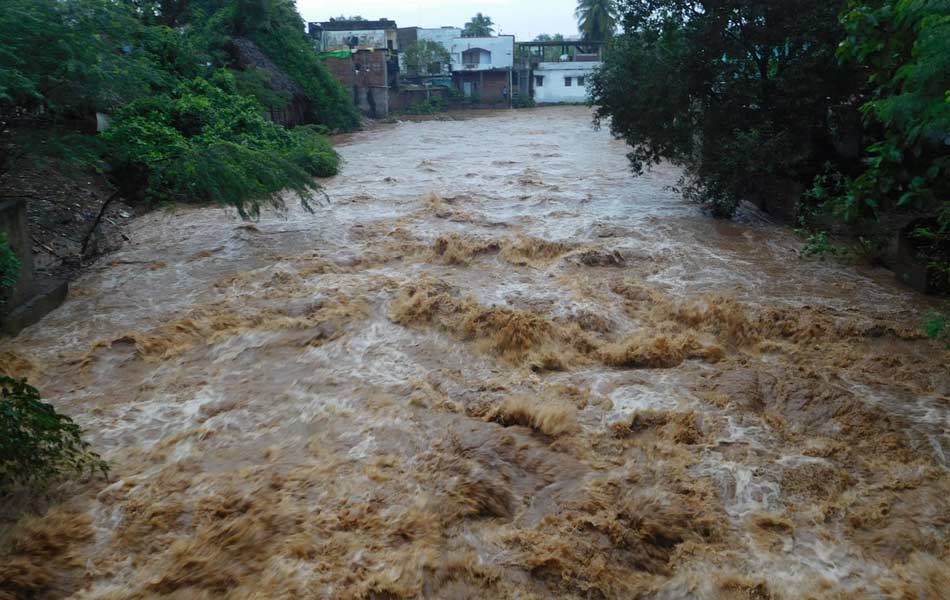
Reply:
x=596, y=19
x=479, y=26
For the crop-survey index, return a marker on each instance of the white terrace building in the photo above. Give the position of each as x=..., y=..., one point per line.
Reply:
x=562, y=82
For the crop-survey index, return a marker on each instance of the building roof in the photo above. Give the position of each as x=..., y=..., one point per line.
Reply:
x=568, y=66
x=346, y=25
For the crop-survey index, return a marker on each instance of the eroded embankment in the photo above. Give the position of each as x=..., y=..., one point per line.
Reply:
x=478, y=375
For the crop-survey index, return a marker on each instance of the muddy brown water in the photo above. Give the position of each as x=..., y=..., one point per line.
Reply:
x=495, y=366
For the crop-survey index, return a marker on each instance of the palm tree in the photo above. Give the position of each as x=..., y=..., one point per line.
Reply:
x=596, y=19
x=479, y=26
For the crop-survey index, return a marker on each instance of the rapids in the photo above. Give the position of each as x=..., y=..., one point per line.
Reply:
x=495, y=365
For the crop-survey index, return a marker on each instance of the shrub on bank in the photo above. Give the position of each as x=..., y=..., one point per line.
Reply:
x=37, y=443
x=205, y=142
x=522, y=101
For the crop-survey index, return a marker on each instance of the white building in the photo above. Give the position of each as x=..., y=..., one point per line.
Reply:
x=562, y=82
x=443, y=36
x=362, y=35
x=482, y=53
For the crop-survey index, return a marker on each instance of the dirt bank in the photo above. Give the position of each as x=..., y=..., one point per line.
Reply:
x=497, y=366
x=62, y=206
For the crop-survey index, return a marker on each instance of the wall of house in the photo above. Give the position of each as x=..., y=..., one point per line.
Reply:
x=440, y=35
x=365, y=75
x=488, y=85
x=554, y=88
x=339, y=40
x=502, y=49
x=405, y=97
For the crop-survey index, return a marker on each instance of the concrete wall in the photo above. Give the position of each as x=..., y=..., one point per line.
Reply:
x=13, y=223
x=440, y=35
x=555, y=89
x=488, y=85
x=368, y=39
x=401, y=100
x=365, y=75
x=501, y=49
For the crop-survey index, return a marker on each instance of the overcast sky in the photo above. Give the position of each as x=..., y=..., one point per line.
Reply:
x=523, y=18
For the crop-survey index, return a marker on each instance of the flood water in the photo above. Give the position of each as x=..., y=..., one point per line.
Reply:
x=495, y=365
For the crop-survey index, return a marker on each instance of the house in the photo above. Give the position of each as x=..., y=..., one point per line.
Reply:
x=443, y=36
x=554, y=72
x=482, y=66
x=363, y=56
x=562, y=82
x=366, y=73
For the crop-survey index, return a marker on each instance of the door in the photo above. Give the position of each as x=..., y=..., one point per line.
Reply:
x=467, y=88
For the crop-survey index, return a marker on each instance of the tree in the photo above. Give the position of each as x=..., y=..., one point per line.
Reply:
x=425, y=57
x=596, y=19
x=63, y=59
x=479, y=26
x=904, y=47
x=550, y=54
x=37, y=443
x=739, y=92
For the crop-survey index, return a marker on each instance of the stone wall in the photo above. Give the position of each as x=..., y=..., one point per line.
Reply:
x=33, y=296
x=13, y=223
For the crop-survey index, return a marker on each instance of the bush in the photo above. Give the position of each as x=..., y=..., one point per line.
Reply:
x=937, y=326
x=521, y=101
x=426, y=107
x=38, y=444
x=205, y=142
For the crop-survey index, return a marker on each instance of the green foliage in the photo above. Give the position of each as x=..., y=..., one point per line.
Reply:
x=904, y=47
x=73, y=55
x=38, y=444
x=547, y=54
x=479, y=26
x=936, y=326
x=522, y=101
x=204, y=142
x=9, y=265
x=280, y=35
x=425, y=57
x=433, y=105
x=185, y=125
x=739, y=92
x=596, y=19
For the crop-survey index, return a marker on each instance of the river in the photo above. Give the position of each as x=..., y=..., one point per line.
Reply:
x=494, y=365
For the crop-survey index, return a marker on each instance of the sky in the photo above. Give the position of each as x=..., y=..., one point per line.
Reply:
x=523, y=18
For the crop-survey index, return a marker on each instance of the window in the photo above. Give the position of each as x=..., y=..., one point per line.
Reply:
x=567, y=82
x=539, y=81
x=580, y=81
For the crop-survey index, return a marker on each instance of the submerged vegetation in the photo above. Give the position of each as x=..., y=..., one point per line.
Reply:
x=186, y=117
x=763, y=101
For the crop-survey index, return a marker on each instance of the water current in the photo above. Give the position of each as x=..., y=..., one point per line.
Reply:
x=494, y=365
